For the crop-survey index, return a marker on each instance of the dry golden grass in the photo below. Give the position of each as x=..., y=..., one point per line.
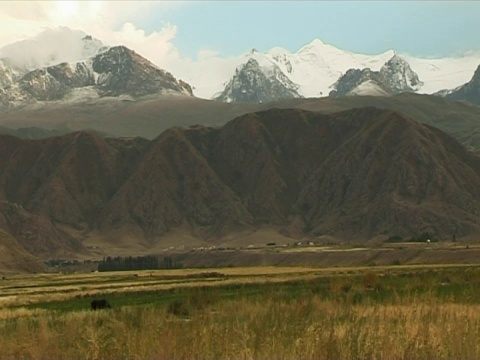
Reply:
x=305, y=328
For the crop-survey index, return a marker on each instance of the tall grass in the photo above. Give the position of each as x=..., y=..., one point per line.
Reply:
x=396, y=313
x=305, y=327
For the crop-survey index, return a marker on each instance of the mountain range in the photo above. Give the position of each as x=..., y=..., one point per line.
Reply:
x=74, y=73
x=354, y=175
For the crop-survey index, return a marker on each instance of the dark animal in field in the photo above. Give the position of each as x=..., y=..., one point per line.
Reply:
x=100, y=304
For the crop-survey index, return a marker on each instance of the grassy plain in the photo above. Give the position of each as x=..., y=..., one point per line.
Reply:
x=383, y=312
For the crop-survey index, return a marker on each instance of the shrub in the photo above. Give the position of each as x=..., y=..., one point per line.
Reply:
x=179, y=308
x=394, y=239
x=370, y=280
x=346, y=288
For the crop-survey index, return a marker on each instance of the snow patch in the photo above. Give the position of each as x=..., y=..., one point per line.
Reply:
x=445, y=73
x=79, y=95
x=368, y=87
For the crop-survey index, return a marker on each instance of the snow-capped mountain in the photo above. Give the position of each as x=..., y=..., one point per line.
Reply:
x=394, y=77
x=122, y=71
x=49, y=48
x=115, y=72
x=312, y=71
x=316, y=68
x=254, y=83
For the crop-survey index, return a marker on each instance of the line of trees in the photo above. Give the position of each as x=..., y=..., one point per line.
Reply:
x=120, y=263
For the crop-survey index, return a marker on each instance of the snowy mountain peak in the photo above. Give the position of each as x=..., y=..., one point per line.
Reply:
x=316, y=44
x=278, y=51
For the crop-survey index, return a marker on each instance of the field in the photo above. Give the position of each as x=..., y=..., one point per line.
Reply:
x=384, y=312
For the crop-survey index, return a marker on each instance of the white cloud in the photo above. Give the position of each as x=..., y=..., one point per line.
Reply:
x=155, y=46
x=23, y=10
x=114, y=23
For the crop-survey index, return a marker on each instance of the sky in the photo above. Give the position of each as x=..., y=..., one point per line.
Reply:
x=191, y=31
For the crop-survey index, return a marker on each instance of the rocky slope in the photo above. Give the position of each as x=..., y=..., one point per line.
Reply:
x=15, y=258
x=352, y=175
x=254, y=84
x=8, y=73
x=122, y=71
x=399, y=76
x=469, y=92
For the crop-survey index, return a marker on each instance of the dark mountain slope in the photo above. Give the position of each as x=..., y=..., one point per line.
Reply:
x=174, y=186
x=354, y=175
x=391, y=176
x=299, y=164
x=68, y=179
x=470, y=91
x=37, y=234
